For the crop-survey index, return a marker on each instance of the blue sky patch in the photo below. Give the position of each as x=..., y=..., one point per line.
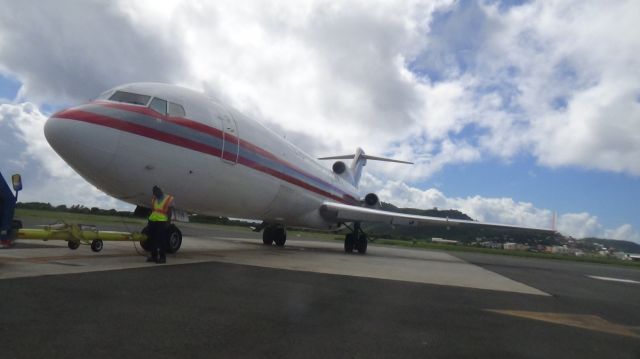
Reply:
x=469, y=134
x=9, y=87
x=506, y=5
x=48, y=109
x=559, y=103
x=561, y=189
x=455, y=38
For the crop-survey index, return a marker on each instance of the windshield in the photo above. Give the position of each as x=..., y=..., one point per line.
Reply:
x=130, y=97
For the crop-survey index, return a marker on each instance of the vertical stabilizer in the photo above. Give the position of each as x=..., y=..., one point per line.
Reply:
x=359, y=161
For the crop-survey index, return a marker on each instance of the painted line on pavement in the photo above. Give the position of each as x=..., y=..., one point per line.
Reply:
x=621, y=280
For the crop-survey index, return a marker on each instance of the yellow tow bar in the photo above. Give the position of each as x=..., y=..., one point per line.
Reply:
x=76, y=234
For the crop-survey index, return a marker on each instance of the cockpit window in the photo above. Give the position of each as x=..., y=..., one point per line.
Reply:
x=176, y=110
x=159, y=106
x=130, y=97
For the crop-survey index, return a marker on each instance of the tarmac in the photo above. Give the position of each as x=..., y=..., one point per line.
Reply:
x=224, y=294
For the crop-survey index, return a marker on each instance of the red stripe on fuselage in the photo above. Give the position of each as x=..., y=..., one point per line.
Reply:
x=106, y=121
x=201, y=127
x=181, y=121
x=136, y=129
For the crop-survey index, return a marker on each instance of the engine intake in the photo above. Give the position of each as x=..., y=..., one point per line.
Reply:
x=371, y=200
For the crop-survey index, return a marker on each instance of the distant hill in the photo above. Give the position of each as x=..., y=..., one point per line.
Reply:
x=618, y=245
x=468, y=234
x=471, y=234
x=448, y=213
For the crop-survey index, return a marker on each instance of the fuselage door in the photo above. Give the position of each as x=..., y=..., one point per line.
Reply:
x=230, y=139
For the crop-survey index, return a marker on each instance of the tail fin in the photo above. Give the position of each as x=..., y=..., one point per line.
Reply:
x=354, y=172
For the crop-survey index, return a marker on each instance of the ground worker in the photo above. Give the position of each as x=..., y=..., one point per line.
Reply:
x=159, y=220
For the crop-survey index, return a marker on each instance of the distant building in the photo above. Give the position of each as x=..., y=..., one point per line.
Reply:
x=443, y=241
x=561, y=250
x=622, y=255
x=539, y=248
x=515, y=246
x=491, y=244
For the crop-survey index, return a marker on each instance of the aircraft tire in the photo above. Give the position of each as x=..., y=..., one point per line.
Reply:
x=280, y=237
x=73, y=244
x=175, y=239
x=146, y=244
x=361, y=244
x=96, y=245
x=348, y=243
x=267, y=236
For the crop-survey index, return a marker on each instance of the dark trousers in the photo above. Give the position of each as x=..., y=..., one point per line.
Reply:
x=158, y=237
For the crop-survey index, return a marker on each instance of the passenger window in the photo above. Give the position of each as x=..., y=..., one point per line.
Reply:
x=176, y=110
x=130, y=97
x=159, y=105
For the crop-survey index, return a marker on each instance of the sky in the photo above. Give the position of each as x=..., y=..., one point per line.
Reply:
x=511, y=110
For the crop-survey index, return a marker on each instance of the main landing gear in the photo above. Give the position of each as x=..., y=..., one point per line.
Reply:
x=174, y=240
x=357, y=240
x=277, y=235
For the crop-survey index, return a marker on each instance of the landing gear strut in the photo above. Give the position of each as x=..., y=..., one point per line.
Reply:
x=357, y=240
x=272, y=234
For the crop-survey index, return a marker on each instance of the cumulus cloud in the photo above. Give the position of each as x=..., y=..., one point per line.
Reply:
x=435, y=81
x=575, y=70
x=580, y=225
x=625, y=232
x=396, y=78
x=329, y=69
x=71, y=51
x=27, y=123
x=496, y=210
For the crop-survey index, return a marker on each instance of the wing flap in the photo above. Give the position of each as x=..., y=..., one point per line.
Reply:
x=346, y=213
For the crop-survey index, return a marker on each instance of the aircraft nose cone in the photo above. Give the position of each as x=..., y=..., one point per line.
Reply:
x=54, y=133
x=87, y=147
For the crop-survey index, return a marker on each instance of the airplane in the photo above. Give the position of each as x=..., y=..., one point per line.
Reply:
x=216, y=161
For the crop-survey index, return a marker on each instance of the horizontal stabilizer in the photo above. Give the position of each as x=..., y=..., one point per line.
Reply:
x=374, y=158
x=367, y=157
x=344, y=157
x=353, y=173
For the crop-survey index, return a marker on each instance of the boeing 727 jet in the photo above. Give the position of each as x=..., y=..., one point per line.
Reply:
x=216, y=161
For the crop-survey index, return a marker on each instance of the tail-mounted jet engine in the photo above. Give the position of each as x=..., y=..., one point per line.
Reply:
x=339, y=167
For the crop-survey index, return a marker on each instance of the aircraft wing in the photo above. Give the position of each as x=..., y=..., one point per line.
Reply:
x=346, y=213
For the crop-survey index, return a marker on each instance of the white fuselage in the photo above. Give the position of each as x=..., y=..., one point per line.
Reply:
x=214, y=160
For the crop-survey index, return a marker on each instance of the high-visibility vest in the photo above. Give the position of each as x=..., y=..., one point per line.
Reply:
x=160, y=209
